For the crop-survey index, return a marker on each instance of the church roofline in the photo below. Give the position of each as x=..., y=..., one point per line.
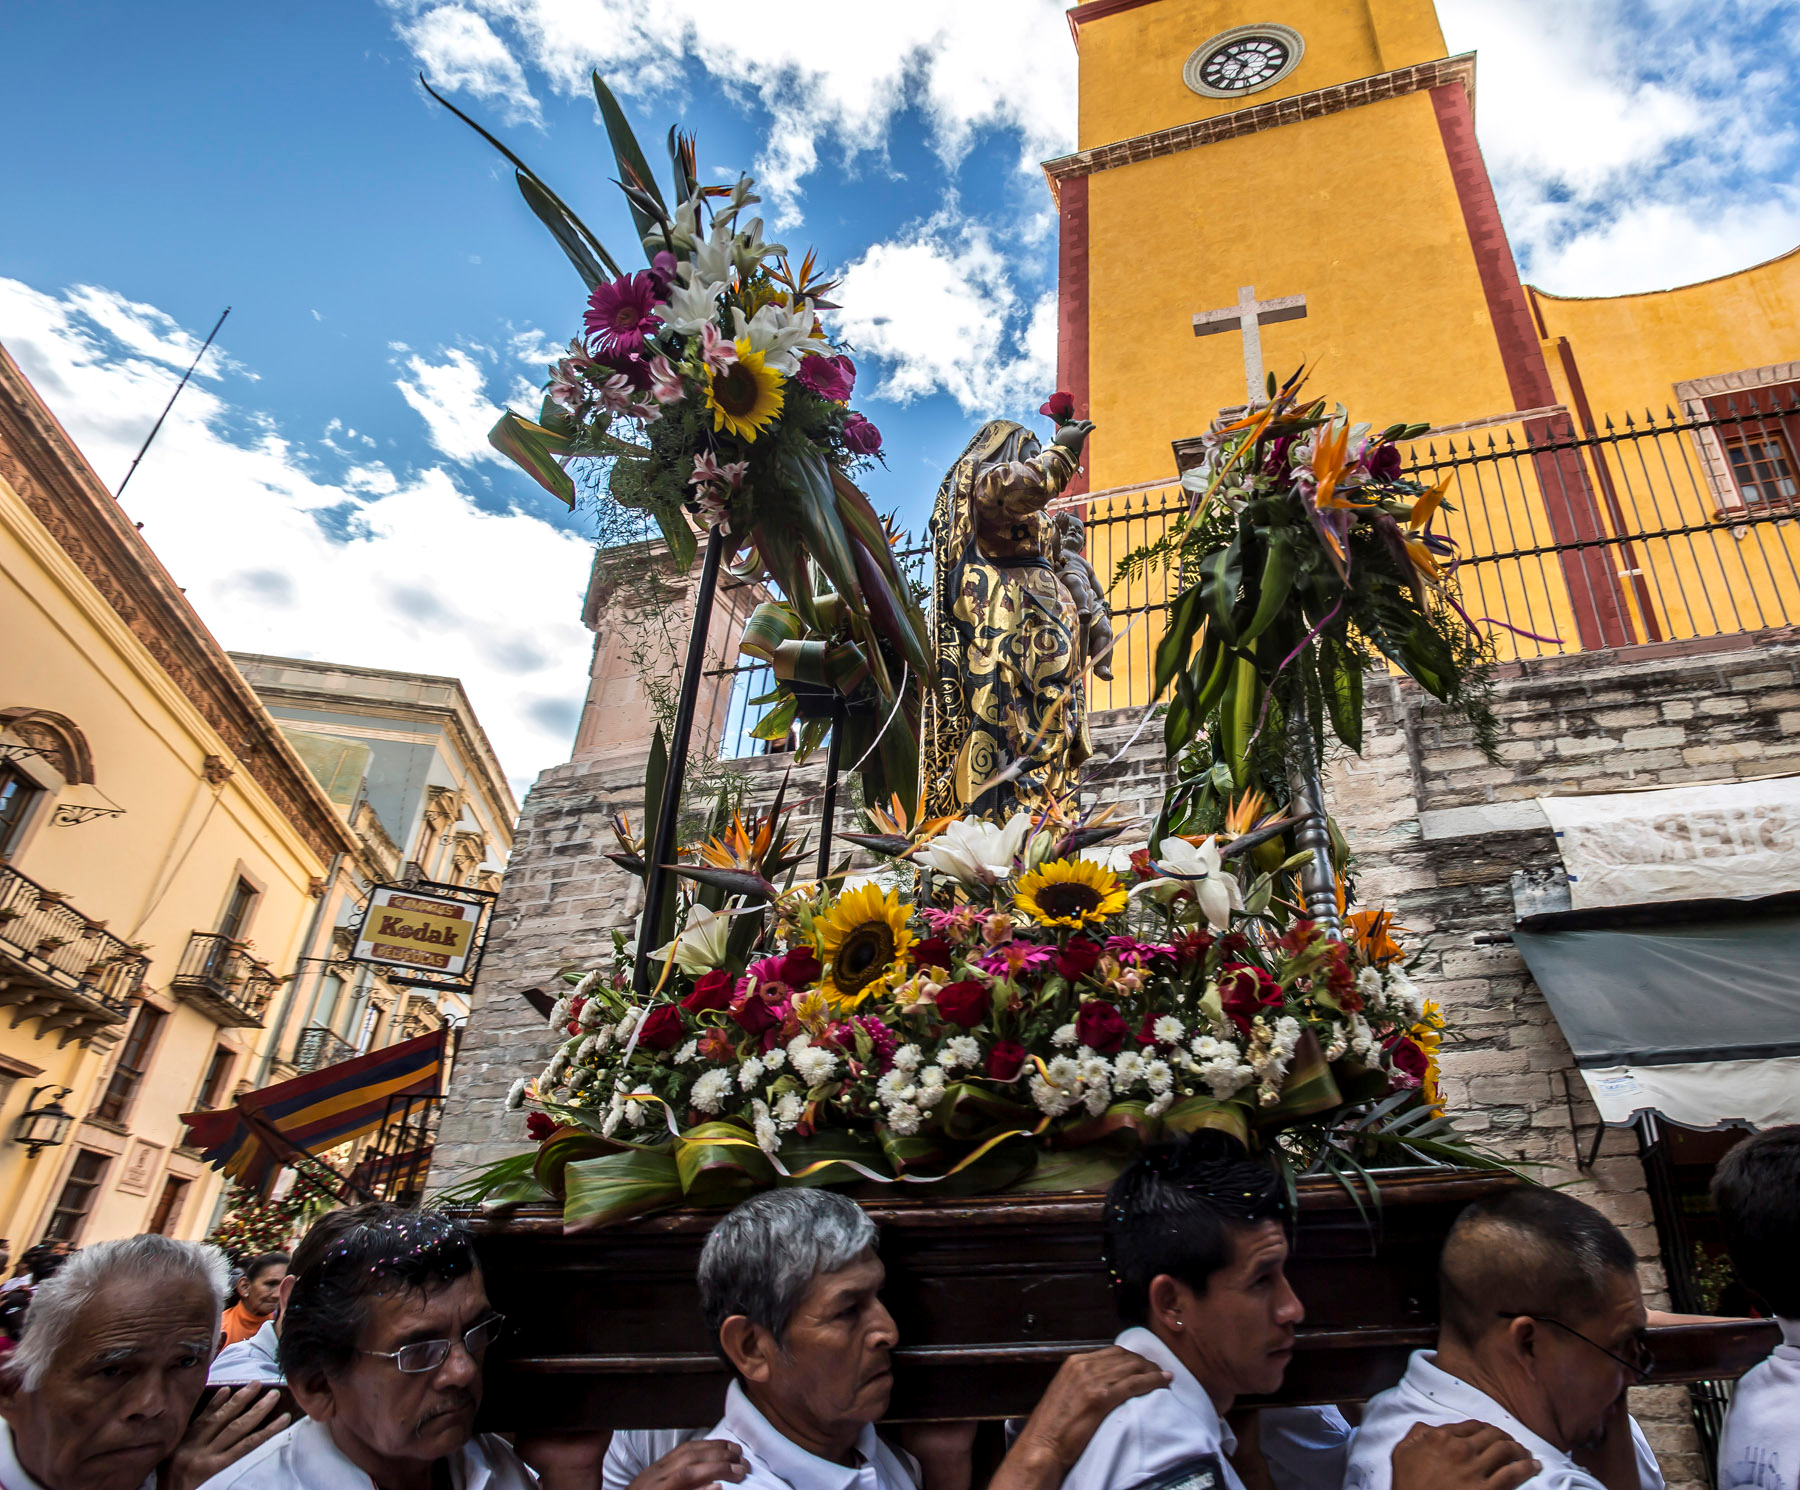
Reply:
x=1292, y=110
x=1692, y=284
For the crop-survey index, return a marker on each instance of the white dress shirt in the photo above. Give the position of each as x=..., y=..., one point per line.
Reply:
x=13, y=1475
x=304, y=1457
x=1149, y=1438
x=778, y=1463
x=633, y=1450
x=1431, y=1395
x=248, y=1360
x=1759, y=1448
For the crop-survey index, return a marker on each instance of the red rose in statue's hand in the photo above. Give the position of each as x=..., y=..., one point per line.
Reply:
x=711, y=991
x=1006, y=1060
x=1059, y=406
x=661, y=1029
x=966, y=1003
x=1101, y=1027
x=1245, y=992
x=539, y=1126
x=1077, y=959
x=801, y=968
x=1409, y=1061
x=753, y=1015
x=934, y=951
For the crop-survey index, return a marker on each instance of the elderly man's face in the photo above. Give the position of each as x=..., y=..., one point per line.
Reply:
x=379, y=1414
x=120, y=1389
x=1581, y=1375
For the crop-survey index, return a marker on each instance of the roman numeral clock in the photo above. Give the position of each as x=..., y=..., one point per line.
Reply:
x=1245, y=59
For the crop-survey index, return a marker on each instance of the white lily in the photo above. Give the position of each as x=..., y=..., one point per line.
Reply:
x=748, y=249
x=701, y=946
x=685, y=231
x=710, y=262
x=775, y=331
x=974, y=852
x=1200, y=870
x=693, y=305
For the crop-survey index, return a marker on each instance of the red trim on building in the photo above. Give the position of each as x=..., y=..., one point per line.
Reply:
x=1072, y=302
x=1601, y=617
x=1093, y=10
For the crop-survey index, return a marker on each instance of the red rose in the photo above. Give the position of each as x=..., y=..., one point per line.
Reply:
x=966, y=1003
x=661, y=1029
x=1193, y=946
x=753, y=1014
x=539, y=1126
x=1245, y=991
x=711, y=991
x=1409, y=1061
x=1059, y=406
x=861, y=437
x=1101, y=1027
x=934, y=951
x=1077, y=959
x=801, y=968
x=1005, y=1060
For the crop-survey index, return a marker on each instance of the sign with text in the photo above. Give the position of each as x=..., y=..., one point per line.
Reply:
x=417, y=930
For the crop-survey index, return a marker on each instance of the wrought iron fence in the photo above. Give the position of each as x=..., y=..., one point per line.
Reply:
x=394, y=1165
x=318, y=1046
x=220, y=976
x=53, y=939
x=1568, y=539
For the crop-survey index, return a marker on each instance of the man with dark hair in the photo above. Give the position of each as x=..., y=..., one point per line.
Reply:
x=1756, y=1191
x=1541, y=1331
x=256, y=1291
x=384, y=1327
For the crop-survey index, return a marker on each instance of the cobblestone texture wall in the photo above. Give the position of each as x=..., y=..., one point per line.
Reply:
x=1437, y=829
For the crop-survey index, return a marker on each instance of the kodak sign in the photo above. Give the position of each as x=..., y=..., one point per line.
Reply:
x=417, y=930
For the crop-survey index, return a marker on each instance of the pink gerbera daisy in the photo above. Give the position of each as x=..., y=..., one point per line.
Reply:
x=620, y=315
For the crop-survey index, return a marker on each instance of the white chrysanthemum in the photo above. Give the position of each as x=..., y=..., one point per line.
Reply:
x=1052, y=1100
x=813, y=1066
x=788, y=1109
x=553, y=1072
x=1095, y=1070
x=903, y=1119
x=896, y=1086
x=1368, y=984
x=1160, y=1105
x=800, y=1042
x=767, y=1138
x=687, y=1052
x=638, y=1113
x=711, y=1089
x=932, y=1076
x=593, y=1015
x=1405, y=994
x=1363, y=1043
x=559, y=1013
x=775, y=1059
x=1063, y=1071
x=1168, y=1030
x=907, y=1058
x=586, y=1049
x=1158, y=1077
x=1064, y=1036
x=930, y=1094
x=1127, y=1068
x=749, y=1074
x=515, y=1095
x=627, y=1023
x=959, y=1053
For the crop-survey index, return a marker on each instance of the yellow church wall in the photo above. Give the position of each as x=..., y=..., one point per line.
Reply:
x=1131, y=59
x=156, y=874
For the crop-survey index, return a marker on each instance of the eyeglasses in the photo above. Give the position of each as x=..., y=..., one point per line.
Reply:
x=1641, y=1367
x=428, y=1355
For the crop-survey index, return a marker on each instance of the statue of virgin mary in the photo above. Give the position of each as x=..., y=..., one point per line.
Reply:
x=1014, y=616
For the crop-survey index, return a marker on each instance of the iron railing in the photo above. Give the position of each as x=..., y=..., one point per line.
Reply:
x=318, y=1046
x=220, y=977
x=62, y=948
x=1567, y=539
x=394, y=1165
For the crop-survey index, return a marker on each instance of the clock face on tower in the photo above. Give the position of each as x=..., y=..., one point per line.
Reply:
x=1245, y=59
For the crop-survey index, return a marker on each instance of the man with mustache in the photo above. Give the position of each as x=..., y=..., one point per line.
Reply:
x=383, y=1330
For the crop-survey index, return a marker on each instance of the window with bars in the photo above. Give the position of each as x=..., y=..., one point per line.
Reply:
x=212, y=1090
x=77, y=1197
x=1762, y=467
x=134, y=1060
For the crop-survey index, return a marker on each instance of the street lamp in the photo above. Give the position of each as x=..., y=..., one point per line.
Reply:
x=47, y=1126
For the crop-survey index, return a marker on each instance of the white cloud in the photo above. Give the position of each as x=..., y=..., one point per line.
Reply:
x=375, y=567
x=459, y=51
x=451, y=397
x=822, y=70
x=1657, y=245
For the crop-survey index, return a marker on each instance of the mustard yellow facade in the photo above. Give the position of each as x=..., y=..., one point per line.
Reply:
x=1333, y=157
x=162, y=858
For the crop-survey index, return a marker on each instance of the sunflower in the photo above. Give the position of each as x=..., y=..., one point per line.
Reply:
x=1070, y=892
x=863, y=941
x=746, y=396
x=1428, y=1035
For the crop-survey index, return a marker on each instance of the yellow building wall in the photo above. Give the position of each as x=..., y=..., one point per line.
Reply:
x=156, y=874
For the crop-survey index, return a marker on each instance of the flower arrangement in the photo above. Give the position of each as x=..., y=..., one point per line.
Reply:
x=708, y=389
x=1314, y=559
x=1064, y=1004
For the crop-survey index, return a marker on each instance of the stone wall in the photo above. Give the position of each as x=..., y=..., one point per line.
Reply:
x=1437, y=829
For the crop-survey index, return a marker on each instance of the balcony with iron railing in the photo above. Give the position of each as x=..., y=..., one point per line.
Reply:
x=59, y=966
x=219, y=977
x=318, y=1046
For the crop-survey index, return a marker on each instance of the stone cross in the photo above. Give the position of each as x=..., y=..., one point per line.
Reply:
x=1247, y=316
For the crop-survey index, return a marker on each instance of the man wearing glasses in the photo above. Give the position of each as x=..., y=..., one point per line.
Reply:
x=1541, y=1332
x=382, y=1338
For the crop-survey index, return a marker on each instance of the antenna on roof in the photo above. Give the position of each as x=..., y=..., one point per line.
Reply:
x=171, y=403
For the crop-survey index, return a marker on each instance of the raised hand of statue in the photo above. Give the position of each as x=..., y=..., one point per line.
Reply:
x=1073, y=435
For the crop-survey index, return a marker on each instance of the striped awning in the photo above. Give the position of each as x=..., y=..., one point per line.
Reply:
x=266, y=1129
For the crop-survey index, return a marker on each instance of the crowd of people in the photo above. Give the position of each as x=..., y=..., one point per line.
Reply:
x=358, y=1361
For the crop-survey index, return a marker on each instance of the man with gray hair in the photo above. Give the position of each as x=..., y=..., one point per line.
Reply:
x=111, y=1366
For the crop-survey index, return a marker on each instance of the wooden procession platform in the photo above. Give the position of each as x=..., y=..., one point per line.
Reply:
x=990, y=1293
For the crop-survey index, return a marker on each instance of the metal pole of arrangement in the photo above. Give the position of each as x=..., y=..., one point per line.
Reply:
x=1318, y=880
x=658, y=877
x=828, y=811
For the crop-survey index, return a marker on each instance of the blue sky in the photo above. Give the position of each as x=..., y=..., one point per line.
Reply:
x=324, y=488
